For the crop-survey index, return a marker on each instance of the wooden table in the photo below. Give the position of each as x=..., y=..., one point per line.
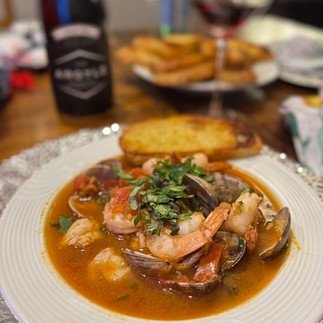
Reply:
x=30, y=117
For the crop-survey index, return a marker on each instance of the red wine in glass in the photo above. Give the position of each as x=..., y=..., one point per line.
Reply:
x=223, y=16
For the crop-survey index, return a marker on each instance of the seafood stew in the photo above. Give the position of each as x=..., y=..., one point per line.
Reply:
x=174, y=239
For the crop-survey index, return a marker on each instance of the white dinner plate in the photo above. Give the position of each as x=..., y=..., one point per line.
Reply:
x=265, y=72
x=305, y=80
x=35, y=292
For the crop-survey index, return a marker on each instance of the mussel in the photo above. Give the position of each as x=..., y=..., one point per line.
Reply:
x=281, y=223
x=234, y=248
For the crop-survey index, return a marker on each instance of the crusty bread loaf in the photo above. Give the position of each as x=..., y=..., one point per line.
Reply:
x=186, y=135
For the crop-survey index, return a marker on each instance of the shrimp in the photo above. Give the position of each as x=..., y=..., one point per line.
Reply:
x=200, y=159
x=243, y=213
x=118, y=216
x=188, y=226
x=149, y=166
x=109, y=265
x=173, y=248
x=82, y=233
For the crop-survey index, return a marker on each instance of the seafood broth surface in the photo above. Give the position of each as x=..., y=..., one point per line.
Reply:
x=117, y=287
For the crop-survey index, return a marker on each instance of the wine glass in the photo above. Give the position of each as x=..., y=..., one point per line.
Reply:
x=223, y=17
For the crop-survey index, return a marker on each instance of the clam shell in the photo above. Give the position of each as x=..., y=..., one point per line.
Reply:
x=203, y=192
x=191, y=288
x=146, y=264
x=103, y=170
x=231, y=240
x=223, y=188
x=283, y=221
x=84, y=208
x=190, y=260
x=228, y=187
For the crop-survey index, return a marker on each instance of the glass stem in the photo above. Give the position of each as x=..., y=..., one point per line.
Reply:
x=216, y=104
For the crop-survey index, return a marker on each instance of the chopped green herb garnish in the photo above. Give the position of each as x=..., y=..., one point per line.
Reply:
x=122, y=298
x=164, y=196
x=232, y=290
x=126, y=177
x=104, y=197
x=150, y=228
x=137, y=219
x=101, y=201
x=240, y=244
x=248, y=190
x=64, y=223
x=134, y=286
x=225, y=262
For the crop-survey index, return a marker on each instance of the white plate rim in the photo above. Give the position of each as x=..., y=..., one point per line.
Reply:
x=266, y=72
x=36, y=191
x=299, y=79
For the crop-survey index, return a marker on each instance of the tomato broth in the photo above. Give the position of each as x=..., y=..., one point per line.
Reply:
x=146, y=297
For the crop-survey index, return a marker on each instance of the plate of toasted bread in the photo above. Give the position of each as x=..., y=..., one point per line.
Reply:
x=186, y=61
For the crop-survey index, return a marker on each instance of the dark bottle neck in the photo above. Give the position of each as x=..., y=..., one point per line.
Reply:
x=63, y=12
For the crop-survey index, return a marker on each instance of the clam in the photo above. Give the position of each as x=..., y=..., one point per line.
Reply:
x=84, y=207
x=207, y=197
x=190, y=260
x=228, y=187
x=146, y=264
x=281, y=224
x=103, y=169
x=223, y=188
x=190, y=287
x=151, y=266
x=234, y=248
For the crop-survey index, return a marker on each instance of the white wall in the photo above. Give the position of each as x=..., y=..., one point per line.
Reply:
x=122, y=14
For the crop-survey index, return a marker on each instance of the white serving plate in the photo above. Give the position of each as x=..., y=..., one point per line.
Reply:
x=265, y=72
x=35, y=292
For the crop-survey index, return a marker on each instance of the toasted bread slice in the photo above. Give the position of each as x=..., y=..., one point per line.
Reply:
x=195, y=73
x=156, y=46
x=187, y=42
x=187, y=135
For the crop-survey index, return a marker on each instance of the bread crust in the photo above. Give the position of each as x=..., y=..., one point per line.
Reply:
x=187, y=135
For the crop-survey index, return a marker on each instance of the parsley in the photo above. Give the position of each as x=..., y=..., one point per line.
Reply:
x=248, y=190
x=240, y=244
x=64, y=223
x=165, y=194
x=122, y=298
x=104, y=198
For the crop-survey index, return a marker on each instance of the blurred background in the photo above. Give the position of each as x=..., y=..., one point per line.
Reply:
x=136, y=14
x=29, y=103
